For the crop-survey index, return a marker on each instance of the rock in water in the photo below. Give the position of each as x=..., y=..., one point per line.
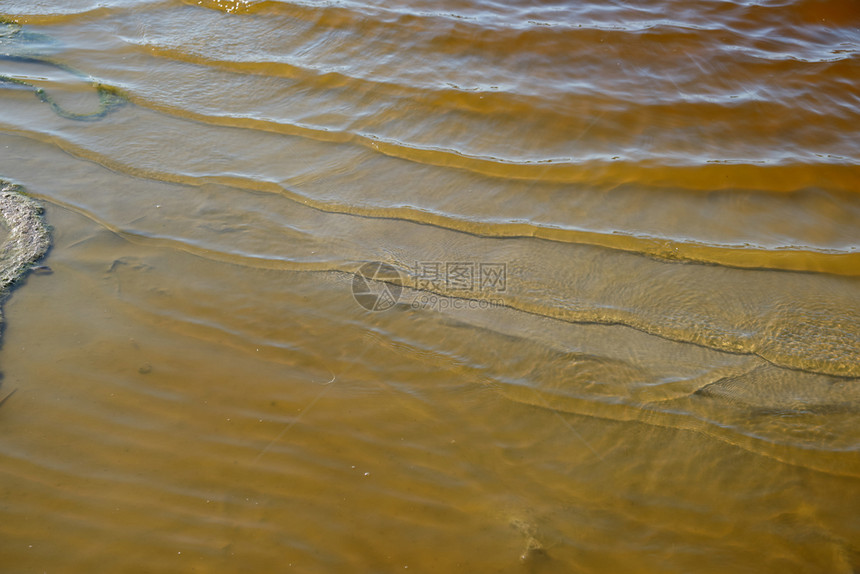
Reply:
x=26, y=239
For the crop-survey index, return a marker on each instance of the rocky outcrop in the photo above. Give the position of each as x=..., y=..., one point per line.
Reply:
x=25, y=236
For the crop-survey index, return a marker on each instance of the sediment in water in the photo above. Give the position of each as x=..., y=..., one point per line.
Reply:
x=26, y=240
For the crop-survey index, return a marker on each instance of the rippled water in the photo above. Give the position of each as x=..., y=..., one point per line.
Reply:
x=616, y=327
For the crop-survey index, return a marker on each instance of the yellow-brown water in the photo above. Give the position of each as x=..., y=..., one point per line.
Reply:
x=628, y=333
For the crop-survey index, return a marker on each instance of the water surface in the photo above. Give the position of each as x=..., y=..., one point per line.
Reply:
x=623, y=246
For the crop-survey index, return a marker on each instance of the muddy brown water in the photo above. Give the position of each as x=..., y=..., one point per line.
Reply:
x=614, y=287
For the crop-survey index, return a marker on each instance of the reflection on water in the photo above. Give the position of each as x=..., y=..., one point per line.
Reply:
x=618, y=327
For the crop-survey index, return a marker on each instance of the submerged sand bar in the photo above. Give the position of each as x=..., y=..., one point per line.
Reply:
x=25, y=236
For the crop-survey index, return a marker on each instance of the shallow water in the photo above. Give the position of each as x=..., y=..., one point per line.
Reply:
x=618, y=326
